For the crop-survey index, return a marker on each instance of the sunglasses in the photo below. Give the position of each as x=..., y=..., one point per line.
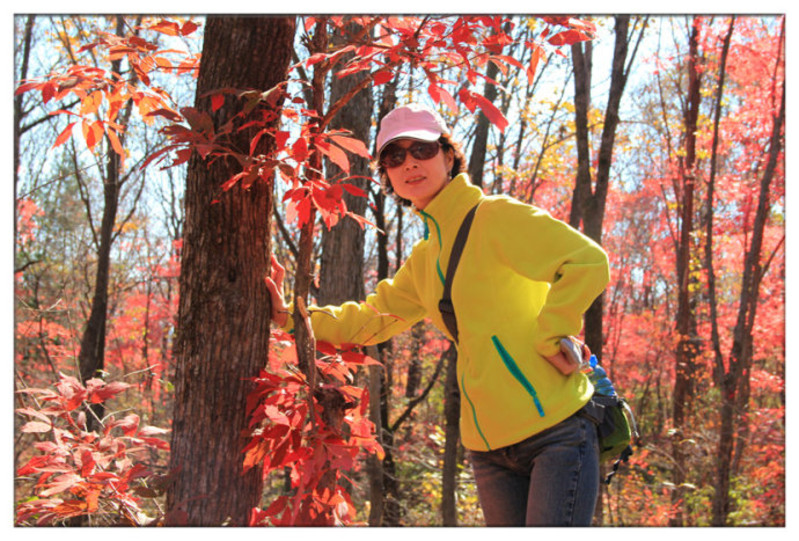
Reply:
x=394, y=155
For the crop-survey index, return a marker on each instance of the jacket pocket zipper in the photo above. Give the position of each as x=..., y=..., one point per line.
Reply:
x=514, y=369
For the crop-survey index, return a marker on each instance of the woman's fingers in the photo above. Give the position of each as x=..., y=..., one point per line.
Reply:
x=278, y=271
x=586, y=352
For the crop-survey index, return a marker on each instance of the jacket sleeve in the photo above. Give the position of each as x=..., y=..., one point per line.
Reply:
x=545, y=249
x=392, y=308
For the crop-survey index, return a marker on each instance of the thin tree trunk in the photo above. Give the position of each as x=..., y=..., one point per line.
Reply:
x=223, y=318
x=18, y=112
x=588, y=202
x=91, y=356
x=414, y=379
x=735, y=382
x=383, y=479
x=721, y=501
x=582, y=66
x=449, y=475
x=685, y=358
x=479, y=148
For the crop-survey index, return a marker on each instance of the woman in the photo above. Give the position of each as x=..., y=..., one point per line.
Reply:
x=523, y=282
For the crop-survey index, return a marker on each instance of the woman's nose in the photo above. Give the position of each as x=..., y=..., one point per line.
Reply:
x=410, y=162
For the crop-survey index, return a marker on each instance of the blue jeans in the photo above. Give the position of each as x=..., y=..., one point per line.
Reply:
x=549, y=479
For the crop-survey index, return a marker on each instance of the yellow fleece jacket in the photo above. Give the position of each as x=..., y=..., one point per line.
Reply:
x=524, y=281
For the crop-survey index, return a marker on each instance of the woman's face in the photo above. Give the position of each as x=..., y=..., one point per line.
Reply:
x=419, y=180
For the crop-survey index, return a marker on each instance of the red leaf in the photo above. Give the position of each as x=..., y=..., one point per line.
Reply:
x=48, y=91
x=166, y=27
x=115, y=143
x=106, y=391
x=299, y=150
x=299, y=210
x=382, y=77
x=92, y=132
x=255, y=453
x=536, y=56
x=276, y=416
x=61, y=139
x=354, y=190
x=491, y=112
x=129, y=424
x=280, y=139
x=336, y=155
x=188, y=27
x=36, y=427
x=217, y=101
x=569, y=37
x=439, y=93
x=69, y=508
x=352, y=145
x=353, y=357
x=276, y=507
x=232, y=181
x=166, y=113
x=309, y=23
x=61, y=483
x=21, y=89
x=87, y=463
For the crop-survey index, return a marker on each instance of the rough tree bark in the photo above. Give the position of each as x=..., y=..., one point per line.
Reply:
x=223, y=318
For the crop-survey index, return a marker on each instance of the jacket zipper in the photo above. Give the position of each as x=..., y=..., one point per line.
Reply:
x=514, y=369
x=474, y=412
x=440, y=247
x=443, y=281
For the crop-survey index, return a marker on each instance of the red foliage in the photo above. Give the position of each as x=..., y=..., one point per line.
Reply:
x=80, y=473
x=290, y=428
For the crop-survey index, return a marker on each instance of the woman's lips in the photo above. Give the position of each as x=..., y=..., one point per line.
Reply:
x=414, y=180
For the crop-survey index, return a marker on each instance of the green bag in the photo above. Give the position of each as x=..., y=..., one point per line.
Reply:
x=615, y=428
x=615, y=422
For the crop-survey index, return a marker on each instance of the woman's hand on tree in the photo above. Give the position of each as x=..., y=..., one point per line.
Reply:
x=274, y=283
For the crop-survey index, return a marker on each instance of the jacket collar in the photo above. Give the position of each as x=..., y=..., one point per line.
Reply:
x=449, y=207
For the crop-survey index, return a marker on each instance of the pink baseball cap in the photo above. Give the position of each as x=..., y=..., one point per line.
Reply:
x=412, y=121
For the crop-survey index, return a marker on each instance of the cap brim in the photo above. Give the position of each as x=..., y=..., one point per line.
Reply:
x=421, y=135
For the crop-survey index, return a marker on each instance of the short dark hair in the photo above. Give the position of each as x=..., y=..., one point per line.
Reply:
x=447, y=143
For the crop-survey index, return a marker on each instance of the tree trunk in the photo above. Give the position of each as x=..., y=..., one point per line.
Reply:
x=341, y=272
x=223, y=318
x=449, y=475
x=18, y=112
x=588, y=203
x=414, y=380
x=385, y=510
x=479, y=149
x=685, y=358
x=735, y=382
x=721, y=501
x=91, y=357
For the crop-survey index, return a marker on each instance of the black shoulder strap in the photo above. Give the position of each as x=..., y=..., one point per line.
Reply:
x=445, y=304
